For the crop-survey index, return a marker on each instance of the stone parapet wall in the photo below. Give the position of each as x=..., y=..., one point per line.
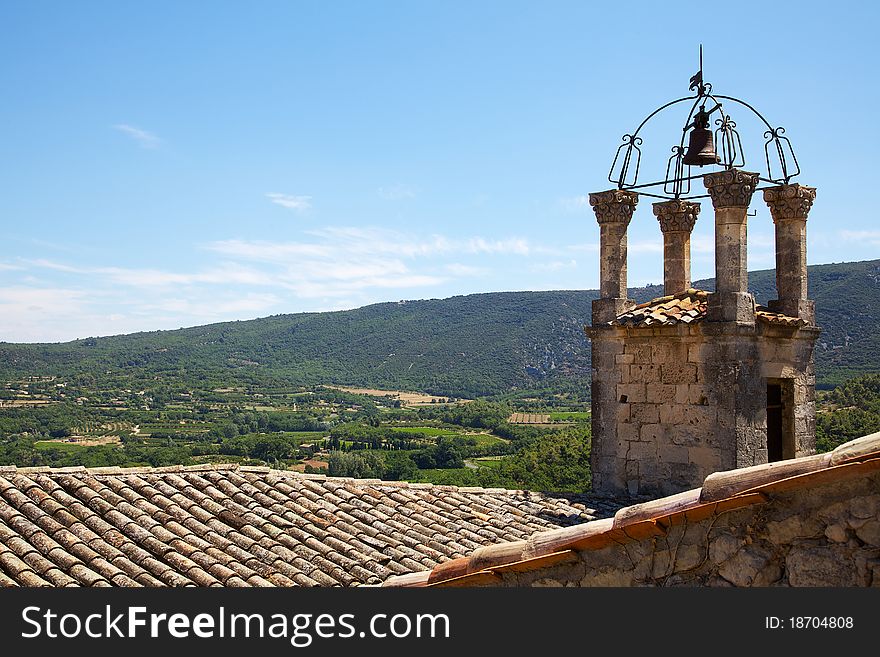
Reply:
x=827, y=535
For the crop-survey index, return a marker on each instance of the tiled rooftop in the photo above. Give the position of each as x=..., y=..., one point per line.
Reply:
x=688, y=307
x=720, y=492
x=240, y=526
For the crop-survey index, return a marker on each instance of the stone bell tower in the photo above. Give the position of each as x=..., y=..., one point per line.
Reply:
x=700, y=381
x=696, y=382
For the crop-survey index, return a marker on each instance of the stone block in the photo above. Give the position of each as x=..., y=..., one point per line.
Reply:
x=652, y=433
x=624, y=359
x=641, y=351
x=684, y=436
x=688, y=557
x=644, y=373
x=623, y=413
x=780, y=532
x=700, y=417
x=870, y=533
x=866, y=506
x=631, y=393
x=627, y=431
x=820, y=565
x=723, y=546
x=701, y=395
x=697, y=353
x=645, y=413
x=707, y=459
x=672, y=414
x=682, y=393
x=678, y=373
x=751, y=566
x=836, y=534
x=673, y=454
x=605, y=353
x=660, y=393
x=668, y=352
x=684, y=476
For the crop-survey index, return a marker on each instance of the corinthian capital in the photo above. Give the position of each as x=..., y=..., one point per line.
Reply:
x=789, y=202
x=732, y=188
x=614, y=206
x=677, y=215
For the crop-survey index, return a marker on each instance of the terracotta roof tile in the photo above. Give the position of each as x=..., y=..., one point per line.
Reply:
x=686, y=308
x=236, y=526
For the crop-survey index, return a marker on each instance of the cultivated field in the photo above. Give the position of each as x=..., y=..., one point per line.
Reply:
x=406, y=398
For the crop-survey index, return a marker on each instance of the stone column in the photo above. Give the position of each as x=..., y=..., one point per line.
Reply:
x=731, y=193
x=789, y=206
x=677, y=219
x=614, y=210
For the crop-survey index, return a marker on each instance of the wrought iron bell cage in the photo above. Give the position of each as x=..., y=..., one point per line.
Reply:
x=721, y=147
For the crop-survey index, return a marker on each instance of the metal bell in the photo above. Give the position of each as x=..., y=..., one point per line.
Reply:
x=701, y=148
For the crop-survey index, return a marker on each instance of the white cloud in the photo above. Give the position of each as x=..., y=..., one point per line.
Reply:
x=4, y=266
x=554, y=265
x=871, y=237
x=228, y=273
x=326, y=268
x=143, y=138
x=516, y=245
x=396, y=192
x=249, y=304
x=297, y=203
x=575, y=203
x=458, y=269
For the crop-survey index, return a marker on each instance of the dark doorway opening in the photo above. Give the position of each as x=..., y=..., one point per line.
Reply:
x=780, y=420
x=774, y=422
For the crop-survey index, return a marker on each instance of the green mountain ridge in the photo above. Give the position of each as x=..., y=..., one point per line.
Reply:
x=466, y=346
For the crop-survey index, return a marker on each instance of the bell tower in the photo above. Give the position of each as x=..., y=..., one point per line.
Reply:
x=699, y=381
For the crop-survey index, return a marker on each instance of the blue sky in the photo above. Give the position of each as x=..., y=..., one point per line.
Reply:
x=171, y=164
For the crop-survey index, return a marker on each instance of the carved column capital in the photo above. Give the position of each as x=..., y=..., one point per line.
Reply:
x=789, y=202
x=676, y=216
x=614, y=206
x=732, y=188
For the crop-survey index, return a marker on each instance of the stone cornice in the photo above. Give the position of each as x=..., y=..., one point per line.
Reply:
x=789, y=202
x=614, y=206
x=676, y=215
x=732, y=188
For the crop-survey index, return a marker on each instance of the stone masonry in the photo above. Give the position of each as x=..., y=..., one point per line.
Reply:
x=823, y=536
x=681, y=388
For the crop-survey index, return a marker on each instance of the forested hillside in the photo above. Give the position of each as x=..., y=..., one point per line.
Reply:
x=467, y=346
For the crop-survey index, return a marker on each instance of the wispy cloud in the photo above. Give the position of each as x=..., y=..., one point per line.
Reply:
x=458, y=269
x=143, y=138
x=514, y=245
x=575, y=203
x=4, y=266
x=326, y=268
x=871, y=237
x=396, y=192
x=553, y=265
x=291, y=202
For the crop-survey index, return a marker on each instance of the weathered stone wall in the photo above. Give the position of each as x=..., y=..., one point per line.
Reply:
x=672, y=405
x=790, y=357
x=655, y=429
x=828, y=535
